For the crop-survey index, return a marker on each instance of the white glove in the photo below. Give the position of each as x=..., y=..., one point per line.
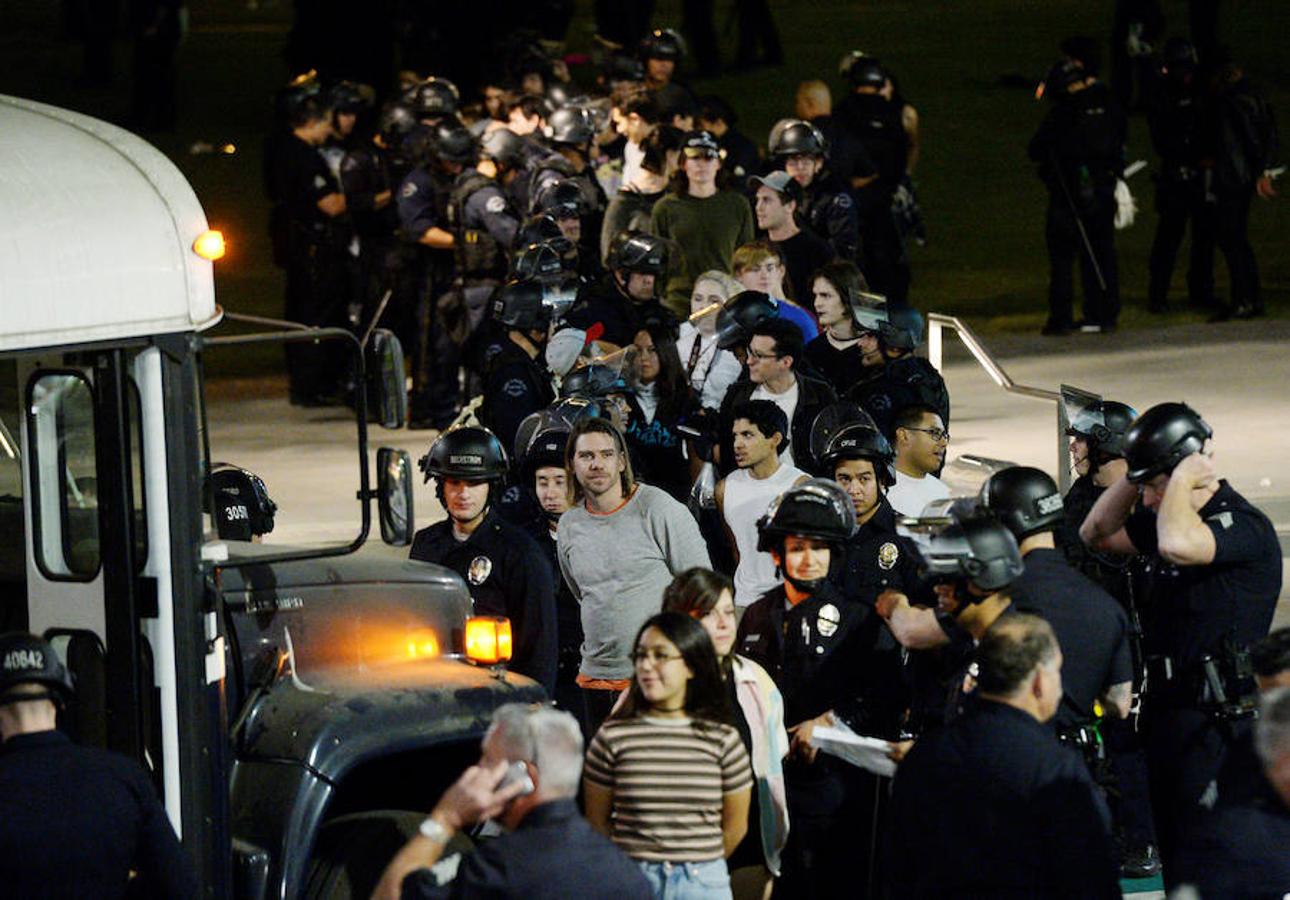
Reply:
x=1125, y=206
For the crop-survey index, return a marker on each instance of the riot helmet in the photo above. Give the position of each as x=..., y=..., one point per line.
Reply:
x=301, y=101
x=903, y=329
x=434, y=98
x=453, y=143
x=560, y=199
x=741, y=314
x=467, y=452
x=1161, y=438
x=978, y=549
x=622, y=67
x=817, y=508
x=637, y=251
x=544, y=229
x=863, y=70
x=571, y=125
x=504, y=147
x=1101, y=423
x=28, y=659
x=541, y=262
x=395, y=122
x=795, y=137
x=1024, y=499
x=595, y=380
x=351, y=97
x=534, y=305
x=240, y=503
x=663, y=43
x=843, y=430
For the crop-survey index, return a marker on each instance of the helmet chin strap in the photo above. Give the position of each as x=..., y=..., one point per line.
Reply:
x=806, y=585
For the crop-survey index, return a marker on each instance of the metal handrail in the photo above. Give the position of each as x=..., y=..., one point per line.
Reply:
x=938, y=322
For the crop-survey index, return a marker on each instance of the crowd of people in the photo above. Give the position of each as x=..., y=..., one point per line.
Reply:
x=702, y=479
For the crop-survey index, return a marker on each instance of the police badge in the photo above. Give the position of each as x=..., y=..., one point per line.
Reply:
x=826, y=622
x=480, y=568
x=888, y=553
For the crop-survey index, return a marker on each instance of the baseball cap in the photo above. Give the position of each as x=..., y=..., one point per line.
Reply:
x=701, y=143
x=780, y=183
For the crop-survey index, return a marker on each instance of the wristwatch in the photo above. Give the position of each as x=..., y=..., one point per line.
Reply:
x=435, y=830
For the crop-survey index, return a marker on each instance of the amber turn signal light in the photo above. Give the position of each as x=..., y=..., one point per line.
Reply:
x=488, y=639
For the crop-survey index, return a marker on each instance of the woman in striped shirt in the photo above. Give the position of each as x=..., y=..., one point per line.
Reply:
x=667, y=777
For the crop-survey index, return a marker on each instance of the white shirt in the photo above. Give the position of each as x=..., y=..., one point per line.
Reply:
x=744, y=502
x=633, y=156
x=786, y=401
x=909, y=495
x=715, y=369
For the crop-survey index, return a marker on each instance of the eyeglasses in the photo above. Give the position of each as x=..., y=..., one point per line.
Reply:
x=757, y=354
x=936, y=434
x=654, y=656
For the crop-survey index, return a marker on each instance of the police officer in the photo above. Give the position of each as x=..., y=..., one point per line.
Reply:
x=1091, y=627
x=1215, y=579
x=877, y=559
x=510, y=155
x=1096, y=429
x=991, y=805
x=506, y=573
x=801, y=150
x=875, y=121
x=662, y=51
x=617, y=305
x=1080, y=151
x=240, y=504
x=905, y=379
x=516, y=383
x=571, y=132
x=814, y=642
x=74, y=821
x=316, y=253
x=1173, y=106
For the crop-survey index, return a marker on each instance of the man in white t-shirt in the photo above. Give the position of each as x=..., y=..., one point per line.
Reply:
x=921, y=440
x=760, y=429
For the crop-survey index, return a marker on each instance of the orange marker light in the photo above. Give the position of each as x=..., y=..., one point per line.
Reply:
x=488, y=639
x=422, y=645
x=209, y=245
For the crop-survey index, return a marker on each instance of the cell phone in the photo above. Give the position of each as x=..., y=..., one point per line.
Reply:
x=517, y=773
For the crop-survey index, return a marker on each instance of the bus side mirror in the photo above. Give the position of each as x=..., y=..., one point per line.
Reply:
x=386, y=384
x=394, y=495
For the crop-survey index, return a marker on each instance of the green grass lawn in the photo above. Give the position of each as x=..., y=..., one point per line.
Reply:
x=984, y=205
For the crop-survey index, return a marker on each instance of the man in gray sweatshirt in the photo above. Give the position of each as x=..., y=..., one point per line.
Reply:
x=620, y=545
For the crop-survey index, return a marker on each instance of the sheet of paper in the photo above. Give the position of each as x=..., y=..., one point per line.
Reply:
x=869, y=753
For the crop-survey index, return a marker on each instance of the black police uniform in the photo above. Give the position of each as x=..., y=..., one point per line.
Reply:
x=1237, y=138
x=365, y=173
x=831, y=213
x=515, y=386
x=1091, y=629
x=904, y=381
x=992, y=806
x=817, y=652
x=420, y=209
x=76, y=821
x=508, y=575
x=1172, y=114
x=316, y=267
x=606, y=313
x=842, y=369
x=1080, y=151
x=1193, y=612
x=877, y=125
x=878, y=559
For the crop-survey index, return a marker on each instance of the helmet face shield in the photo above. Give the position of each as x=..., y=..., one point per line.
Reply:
x=558, y=296
x=869, y=311
x=1083, y=411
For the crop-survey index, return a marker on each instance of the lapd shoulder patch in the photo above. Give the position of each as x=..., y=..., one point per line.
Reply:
x=842, y=200
x=495, y=204
x=480, y=568
x=888, y=554
x=409, y=188
x=1224, y=519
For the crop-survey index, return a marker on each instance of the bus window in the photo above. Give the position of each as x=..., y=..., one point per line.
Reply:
x=60, y=426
